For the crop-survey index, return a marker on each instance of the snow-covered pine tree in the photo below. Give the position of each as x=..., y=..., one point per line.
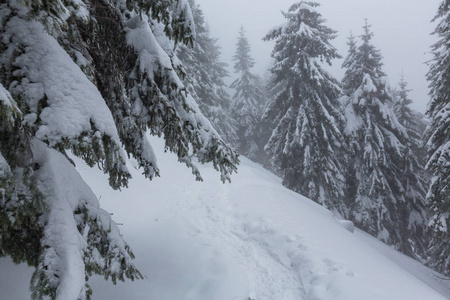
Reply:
x=204, y=77
x=414, y=122
x=306, y=141
x=437, y=139
x=89, y=77
x=413, y=177
x=375, y=141
x=248, y=101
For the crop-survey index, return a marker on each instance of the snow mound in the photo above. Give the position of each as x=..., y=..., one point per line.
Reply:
x=249, y=239
x=347, y=225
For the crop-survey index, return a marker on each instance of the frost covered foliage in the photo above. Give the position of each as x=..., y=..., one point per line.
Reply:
x=438, y=142
x=248, y=102
x=90, y=77
x=306, y=141
x=376, y=139
x=204, y=75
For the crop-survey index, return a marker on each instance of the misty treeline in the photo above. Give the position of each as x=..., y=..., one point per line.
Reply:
x=92, y=78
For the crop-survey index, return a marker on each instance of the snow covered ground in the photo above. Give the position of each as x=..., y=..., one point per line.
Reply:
x=249, y=239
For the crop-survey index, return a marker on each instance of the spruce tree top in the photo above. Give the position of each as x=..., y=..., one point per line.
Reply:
x=350, y=82
x=369, y=57
x=403, y=112
x=243, y=61
x=302, y=38
x=440, y=69
x=247, y=97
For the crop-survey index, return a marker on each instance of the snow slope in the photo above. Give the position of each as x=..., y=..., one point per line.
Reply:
x=251, y=238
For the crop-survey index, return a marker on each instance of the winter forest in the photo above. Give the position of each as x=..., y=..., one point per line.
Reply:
x=95, y=81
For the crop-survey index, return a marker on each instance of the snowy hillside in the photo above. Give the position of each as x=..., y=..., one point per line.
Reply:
x=249, y=239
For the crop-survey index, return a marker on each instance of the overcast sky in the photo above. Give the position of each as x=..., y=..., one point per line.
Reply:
x=402, y=32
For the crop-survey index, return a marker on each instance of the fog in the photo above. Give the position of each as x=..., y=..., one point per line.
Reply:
x=402, y=32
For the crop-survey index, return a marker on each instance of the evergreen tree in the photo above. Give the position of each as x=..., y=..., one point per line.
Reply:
x=375, y=138
x=350, y=84
x=413, y=176
x=248, y=101
x=90, y=77
x=306, y=141
x=205, y=74
x=437, y=139
x=414, y=122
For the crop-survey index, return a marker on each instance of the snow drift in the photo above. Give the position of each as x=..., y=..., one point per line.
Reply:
x=249, y=239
